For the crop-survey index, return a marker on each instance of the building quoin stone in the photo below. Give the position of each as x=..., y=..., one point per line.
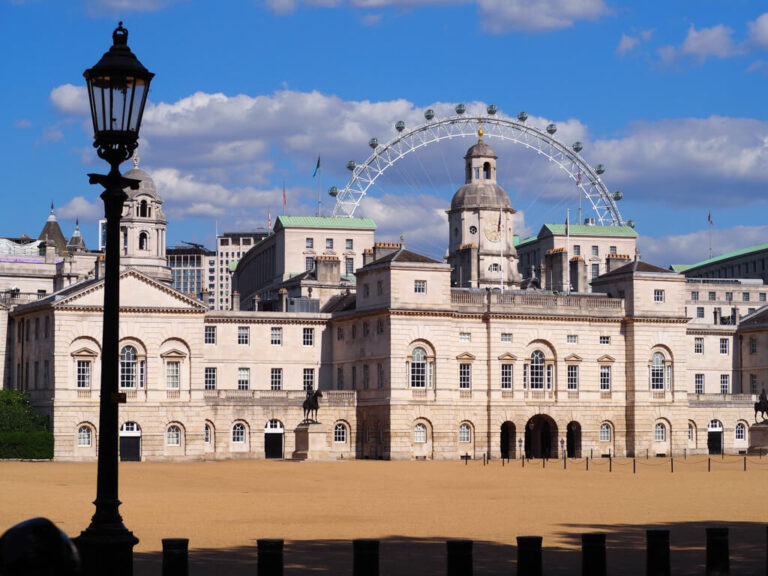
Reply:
x=416, y=358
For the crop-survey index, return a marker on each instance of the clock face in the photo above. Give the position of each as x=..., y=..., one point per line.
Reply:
x=473, y=229
x=492, y=231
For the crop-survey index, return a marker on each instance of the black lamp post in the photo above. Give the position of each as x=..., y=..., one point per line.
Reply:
x=117, y=90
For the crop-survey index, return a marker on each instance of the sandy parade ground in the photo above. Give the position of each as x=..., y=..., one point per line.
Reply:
x=223, y=507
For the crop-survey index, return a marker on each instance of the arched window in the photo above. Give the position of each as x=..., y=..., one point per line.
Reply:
x=537, y=370
x=128, y=364
x=419, y=434
x=143, y=241
x=691, y=432
x=487, y=171
x=340, y=434
x=657, y=371
x=605, y=432
x=418, y=368
x=741, y=431
x=143, y=212
x=465, y=433
x=660, y=433
x=207, y=434
x=84, y=436
x=173, y=436
x=238, y=433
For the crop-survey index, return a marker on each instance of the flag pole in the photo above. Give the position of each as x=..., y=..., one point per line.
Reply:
x=568, y=247
x=711, y=223
x=283, y=197
x=501, y=255
x=319, y=186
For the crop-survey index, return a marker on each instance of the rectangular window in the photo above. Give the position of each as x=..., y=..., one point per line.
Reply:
x=309, y=379
x=550, y=371
x=339, y=378
x=243, y=335
x=276, y=336
x=210, y=378
x=308, y=338
x=379, y=376
x=745, y=296
x=573, y=377
x=329, y=243
x=210, y=334
x=595, y=270
x=349, y=244
x=572, y=338
x=172, y=375
x=366, y=290
x=420, y=286
x=379, y=327
x=658, y=295
x=712, y=296
x=762, y=296
x=605, y=339
x=525, y=376
x=576, y=250
x=605, y=378
x=753, y=345
x=723, y=345
x=366, y=376
x=595, y=251
x=753, y=383
x=349, y=266
x=366, y=329
x=354, y=377
x=698, y=383
x=506, y=337
x=309, y=243
x=725, y=383
x=506, y=376
x=612, y=249
x=339, y=333
x=276, y=379
x=699, y=311
x=695, y=296
x=379, y=288
x=243, y=378
x=83, y=373
x=729, y=296
x=309, y=262
x=465, y=376
x=465, y=336
x=698, y=345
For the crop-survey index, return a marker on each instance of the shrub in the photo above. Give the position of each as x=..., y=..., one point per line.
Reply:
x=23, y=432
x=33, y=445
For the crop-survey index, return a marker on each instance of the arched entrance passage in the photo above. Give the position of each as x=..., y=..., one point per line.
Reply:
x=130, y=442
x=508, y=433
x=715, y=437
x=273, y=439
x=541, y=437
x=573, y=440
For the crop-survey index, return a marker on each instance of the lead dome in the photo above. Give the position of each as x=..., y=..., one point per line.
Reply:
x=480, y=189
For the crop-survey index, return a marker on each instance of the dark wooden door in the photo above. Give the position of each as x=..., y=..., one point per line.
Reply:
x=130, y=448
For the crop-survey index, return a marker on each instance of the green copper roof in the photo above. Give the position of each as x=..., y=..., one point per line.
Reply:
x=325, y=222
x=527, y=240
x=734, y=254
x=583, y=230
x=680, y=268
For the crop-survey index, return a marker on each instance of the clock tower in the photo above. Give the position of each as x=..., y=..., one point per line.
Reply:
x=481, y=247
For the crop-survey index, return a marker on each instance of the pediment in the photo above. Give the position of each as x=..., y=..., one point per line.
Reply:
x=84, y=352
x=137, y=290
x=173, y=354
x=508, y=357
x=605, y=359
x=573, y=358
x=465, y=356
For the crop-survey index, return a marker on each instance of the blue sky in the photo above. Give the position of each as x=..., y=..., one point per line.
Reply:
x=248, y=93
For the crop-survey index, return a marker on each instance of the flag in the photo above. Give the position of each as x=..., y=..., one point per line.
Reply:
x=316, y=167
x=709, y=219
x=498, y=228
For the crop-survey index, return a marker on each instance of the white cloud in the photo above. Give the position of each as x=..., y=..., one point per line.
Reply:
x=81, y=208
x=716, y=41
x=70, y=99
x=627, y=44
x=758, y=31
x=123, y=6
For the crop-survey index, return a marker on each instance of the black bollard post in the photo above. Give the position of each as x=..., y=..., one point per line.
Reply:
x=745, y=463
x=543, y=462
x=587, y=463
x=718, y=561
x=565, y=463
x=709, y=464
x=502, y=462
x=523, y=460
x=634, y=466
x=657, y=560
x=593, y=554
x=646, y=453
x=718, y=557
x=610, y=463
x=365, y=557
x=270, y=561
x=671, y=465
x=459, y=557
x=529, y=556
x=483, y=458
x=175, y=556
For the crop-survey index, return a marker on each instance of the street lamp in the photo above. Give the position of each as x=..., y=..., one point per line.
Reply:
x=117, y=89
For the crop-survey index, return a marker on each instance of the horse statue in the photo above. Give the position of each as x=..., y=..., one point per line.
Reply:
x=762, y=406
x=311, y=404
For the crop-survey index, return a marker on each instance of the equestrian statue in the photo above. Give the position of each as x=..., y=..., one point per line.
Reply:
x=762, y=406
x=311, y=405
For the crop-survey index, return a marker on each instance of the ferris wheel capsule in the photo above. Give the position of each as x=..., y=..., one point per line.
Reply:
x=373, y=143
x=618, y=195
x=492, y=109
x=522, y=116
x=460, y=109
x=400, y=126
x=429, y=114
x=577, y=146
x=333, y=191
x=600, y=169
x=631, y=223
x=551, y=129
x=351, y=165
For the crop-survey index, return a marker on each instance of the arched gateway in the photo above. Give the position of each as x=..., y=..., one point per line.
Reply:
x=541, y=437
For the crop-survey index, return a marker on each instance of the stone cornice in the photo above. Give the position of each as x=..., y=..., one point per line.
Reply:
x=255, y=319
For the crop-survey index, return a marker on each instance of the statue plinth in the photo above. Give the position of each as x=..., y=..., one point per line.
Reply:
x=758, y=438
x=311, y=442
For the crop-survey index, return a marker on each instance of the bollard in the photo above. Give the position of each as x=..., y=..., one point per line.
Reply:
x=671, y=465
x=459, y=557
x=502, y=462
x=543, y=462
x=270, y=561
x=565, y=464
x=523, y=460
x=634, y=466
x=529, y=556
x=718, y=562
x=685, y=453
x=593, y=554
x=646, y=453
x=175, y=556
x=709, y=464
x=610, y=463
x=745, y=463
x=587, y=463
x=657, y=561
x=365, y=557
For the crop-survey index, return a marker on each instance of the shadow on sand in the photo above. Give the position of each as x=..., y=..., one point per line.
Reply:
x=400, y=556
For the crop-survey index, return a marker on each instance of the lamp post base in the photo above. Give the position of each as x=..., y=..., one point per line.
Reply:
x=106, y=549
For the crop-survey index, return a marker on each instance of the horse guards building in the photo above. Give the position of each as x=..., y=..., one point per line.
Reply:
x=565, y=342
